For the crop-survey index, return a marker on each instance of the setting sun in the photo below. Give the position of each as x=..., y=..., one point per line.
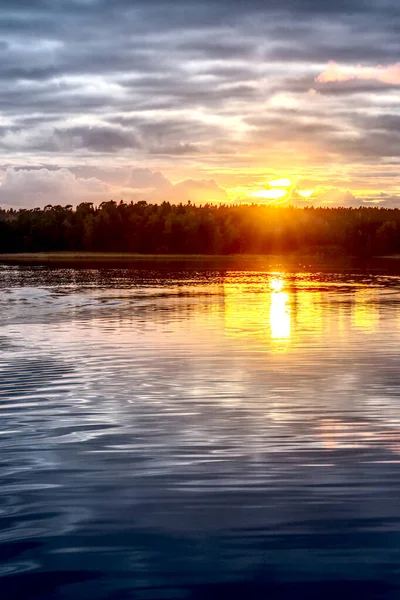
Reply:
x=305, y=193
x=279, y=189
x=283, y=182
x=273, y=194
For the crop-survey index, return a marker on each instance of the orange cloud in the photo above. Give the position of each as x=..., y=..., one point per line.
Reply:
x=389, y=74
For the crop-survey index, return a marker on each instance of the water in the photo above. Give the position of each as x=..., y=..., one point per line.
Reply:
x=199, y=434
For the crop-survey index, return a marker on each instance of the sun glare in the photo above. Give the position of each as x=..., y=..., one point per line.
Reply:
x=276, y=284
x=273, y=194
x=283, y=182
x=280, y=316
x=305, y=193
x=279, y=189
x=279, y=310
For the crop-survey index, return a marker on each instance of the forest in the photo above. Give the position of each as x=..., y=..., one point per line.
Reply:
x=166, y=228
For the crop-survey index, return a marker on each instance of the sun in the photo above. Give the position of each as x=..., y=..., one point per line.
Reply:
x=272, y=194
x=305, y=193
x=283, y=182
x=278, y=188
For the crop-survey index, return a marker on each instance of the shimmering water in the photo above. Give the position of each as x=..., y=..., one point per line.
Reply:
x=200, y=434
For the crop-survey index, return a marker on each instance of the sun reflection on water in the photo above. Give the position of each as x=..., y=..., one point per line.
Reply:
x=276, y=283
x=263, y=313
x=279, y=314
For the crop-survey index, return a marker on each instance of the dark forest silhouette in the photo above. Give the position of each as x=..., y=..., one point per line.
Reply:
x=188, y=229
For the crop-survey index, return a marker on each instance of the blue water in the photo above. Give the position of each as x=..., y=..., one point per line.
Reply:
x=199, y=434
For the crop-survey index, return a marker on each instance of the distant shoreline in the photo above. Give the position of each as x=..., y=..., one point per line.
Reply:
x=178, y=232
x=125, y=258
x=132, y=258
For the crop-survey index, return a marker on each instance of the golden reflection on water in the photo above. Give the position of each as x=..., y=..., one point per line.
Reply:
x=279, y=314
x=309, y=311
x=365, y=315
x=277, y=283
x=261, y=312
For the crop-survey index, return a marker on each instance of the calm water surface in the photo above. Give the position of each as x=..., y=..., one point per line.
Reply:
x=198, y=434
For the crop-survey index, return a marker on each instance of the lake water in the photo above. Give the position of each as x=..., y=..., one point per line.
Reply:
x=196, y=433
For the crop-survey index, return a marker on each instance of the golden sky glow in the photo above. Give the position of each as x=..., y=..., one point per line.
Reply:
x=272, y=194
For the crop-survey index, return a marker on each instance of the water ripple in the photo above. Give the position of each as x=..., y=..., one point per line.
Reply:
x=165, y=434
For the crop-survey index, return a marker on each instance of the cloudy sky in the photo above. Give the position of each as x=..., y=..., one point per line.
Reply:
x=204, y=100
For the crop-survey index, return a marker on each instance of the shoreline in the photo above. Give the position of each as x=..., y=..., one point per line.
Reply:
x=127, y=256
x=86, y=258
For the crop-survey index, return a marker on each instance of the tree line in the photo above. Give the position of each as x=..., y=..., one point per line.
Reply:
x=189, y=229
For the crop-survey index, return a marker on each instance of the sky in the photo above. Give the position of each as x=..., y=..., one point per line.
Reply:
x=208, y=101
